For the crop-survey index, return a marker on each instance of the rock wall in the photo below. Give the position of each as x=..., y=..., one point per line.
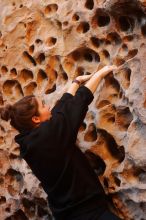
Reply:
x=43, y=46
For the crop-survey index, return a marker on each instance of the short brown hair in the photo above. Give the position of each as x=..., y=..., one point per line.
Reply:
x=21, y=113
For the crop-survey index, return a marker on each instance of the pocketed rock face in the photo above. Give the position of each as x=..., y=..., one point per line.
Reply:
x=46, y=44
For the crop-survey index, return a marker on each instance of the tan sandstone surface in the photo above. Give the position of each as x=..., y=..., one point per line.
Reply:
x=43, y=46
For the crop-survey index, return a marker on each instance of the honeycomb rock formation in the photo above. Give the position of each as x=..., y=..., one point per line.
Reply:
x=43, y=46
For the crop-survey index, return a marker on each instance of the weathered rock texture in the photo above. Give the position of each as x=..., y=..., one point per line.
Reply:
x=43, y=46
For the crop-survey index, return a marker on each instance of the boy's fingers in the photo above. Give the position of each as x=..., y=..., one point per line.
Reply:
x=105, y=69
x=109, y=68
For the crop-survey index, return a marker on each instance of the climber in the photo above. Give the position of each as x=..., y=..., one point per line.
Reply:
x=47, y=140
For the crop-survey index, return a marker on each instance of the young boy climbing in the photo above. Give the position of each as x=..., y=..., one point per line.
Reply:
x=47, y=143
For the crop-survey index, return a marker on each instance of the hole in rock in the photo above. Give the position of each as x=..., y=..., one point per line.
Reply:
x=118, y=61
x=64, y=74
x=130, y=203
x=68, y=65
x=103, y=103
x=110, y=81
x=29, y=58
x=123, y=50
x=128, y=38
x=75, y=17
x=13, y=156
x=40, y=58
x=52, y=74
x=97, y=57
x=2, y=200
x=125, y=47
x=42, y=212
x=83, y=126
x=80, y=71
x=1, y=138
x=95, y=162
x=25, y=191
x=14, y=180
x=40, y=201
x=8, y=209
x=25, y=75
x=41, y=76
x=14, y=173
x=125, y=75
x=19, y=215
x=31, y=49
x=30, y=88
x=76, y=55
x=110, y=118
x=4, y=69
x=126, y=23
x=65, y=23
x=101, y=18
x=117, y=181
x=51, y=9
x=83, y=27
x=128, y=8
x=102, y=40
x=50, y=90
x=10, y=85
x=127, y=72
x=51, y=41
x=89, y=4
x=131, y=54
x=143, y=208
x=107, y=42
x=141, y=175
x=38, y=41
x=95, y=41
x=139, y=172
x=106, y=182
x=116, y=151
x=91, y=134
x=13, y=72
x=59, y=24
x=86, y=54
x=123, y=117
x=114, y=38
x=87, y=73
x=104, y=56
x=29, y=206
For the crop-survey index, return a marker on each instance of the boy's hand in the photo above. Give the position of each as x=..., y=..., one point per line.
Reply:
x=84, y=78
x=106, y=69
x=103, y=72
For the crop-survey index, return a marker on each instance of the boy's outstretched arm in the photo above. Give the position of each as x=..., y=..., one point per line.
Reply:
x=94, y=81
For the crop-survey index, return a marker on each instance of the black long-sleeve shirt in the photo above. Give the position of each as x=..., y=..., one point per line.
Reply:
x=51, y=153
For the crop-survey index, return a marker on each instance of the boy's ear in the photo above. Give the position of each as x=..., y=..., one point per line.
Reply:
x=35, y=119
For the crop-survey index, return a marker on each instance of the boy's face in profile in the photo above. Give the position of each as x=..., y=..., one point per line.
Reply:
x=44, y=111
